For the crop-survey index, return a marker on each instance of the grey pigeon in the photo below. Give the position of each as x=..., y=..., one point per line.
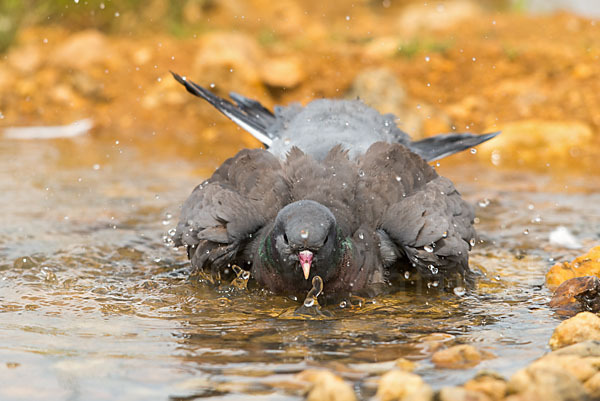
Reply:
x=339, y=192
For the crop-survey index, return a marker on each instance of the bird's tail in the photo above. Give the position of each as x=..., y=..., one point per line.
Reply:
x=247, y=113
x=440, y=146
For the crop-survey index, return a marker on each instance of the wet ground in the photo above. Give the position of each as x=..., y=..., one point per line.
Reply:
x=95, y=304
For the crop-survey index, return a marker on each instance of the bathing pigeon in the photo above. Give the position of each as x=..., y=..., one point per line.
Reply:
x=339, y=192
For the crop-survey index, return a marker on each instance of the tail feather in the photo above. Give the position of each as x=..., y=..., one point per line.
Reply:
x=248, y=114
x=440, y=146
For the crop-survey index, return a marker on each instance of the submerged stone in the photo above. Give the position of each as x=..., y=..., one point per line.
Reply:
x=459, y=357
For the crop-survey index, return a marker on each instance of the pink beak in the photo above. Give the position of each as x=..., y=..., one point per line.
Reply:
x=305, y=261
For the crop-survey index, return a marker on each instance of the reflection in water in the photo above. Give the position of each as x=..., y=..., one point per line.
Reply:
x=95, y=304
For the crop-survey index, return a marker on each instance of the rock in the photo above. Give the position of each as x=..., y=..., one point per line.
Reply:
x=581, y=368
x=547, y=383
x=590, y=348
x=228, y=53
x=583, y=326
x=25, y=59
x=380, y=89
x=282, y=72
x=382, y=47
x=593, y=386
x=326, y=386
x=536, y=143
x=576, y=295
x=81, y=50
x=461, y=394
x=459, y=357
x=488, y=383
x=419, y=16
x=404, y=364
x=398, y=385
x=585, y=265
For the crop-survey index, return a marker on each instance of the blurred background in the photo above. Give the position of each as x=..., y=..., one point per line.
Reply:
x=527, y=67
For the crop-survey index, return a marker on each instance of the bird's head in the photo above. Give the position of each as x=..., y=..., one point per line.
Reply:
x=305, y=242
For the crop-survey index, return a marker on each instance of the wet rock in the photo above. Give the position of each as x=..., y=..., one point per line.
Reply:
x=535, y=143
x=397, y=385
x=81, y=50
x=459, y=357
x=585, y=265
x=404, y=364
x=421, y=16
x=582, y=327
x=461, y=394
x=576, y=295
x=282, y=72
x=549, y=383
x=489, y=383
x=326, y=386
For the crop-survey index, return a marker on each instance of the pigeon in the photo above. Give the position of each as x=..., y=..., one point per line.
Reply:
x=338, y=192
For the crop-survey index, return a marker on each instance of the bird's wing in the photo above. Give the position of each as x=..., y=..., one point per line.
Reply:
x=421, y=218
x=222, y=214
x=247, y=113
x=439, y=146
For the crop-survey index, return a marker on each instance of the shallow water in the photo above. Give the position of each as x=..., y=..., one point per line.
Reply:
x=95, y=305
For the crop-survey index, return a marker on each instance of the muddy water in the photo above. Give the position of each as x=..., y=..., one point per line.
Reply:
x=95, y=305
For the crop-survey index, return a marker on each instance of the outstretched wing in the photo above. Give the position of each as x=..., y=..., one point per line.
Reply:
x=247, y=113
x=219, y=219
x=421, y=218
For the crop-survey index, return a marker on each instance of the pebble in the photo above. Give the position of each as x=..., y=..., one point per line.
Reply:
x=461, y=394
x=489, y=383
x=576, y=295
x=459, y=357
x=326, y=386
x=547, y=383
x=400, y=385
x=583, y=326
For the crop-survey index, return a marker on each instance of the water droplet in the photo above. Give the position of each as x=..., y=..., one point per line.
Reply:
x=459, y=291
x=96, y=166
x=361, y=236
x=398, y=178
x=303, y=234
x=407, y=274
x=433, y=269
x=343, y=304
x=472, y=242
x=427, y=59
x=473, y=151
x=117, y=14
x=526, y=231
x=361, y=173
x=76, y=1
x=497, y=277
x=347, y=18
x=435, y=283
x=429, y=248
x=474, y=59
x=309, y=302
x=445, y=234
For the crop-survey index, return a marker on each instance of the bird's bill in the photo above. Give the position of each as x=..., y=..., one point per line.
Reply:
x=305, y=258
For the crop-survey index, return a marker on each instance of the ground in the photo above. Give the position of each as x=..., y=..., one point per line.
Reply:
x=438, y=67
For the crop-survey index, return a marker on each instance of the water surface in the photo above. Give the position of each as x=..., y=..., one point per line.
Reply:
x=96, y=305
